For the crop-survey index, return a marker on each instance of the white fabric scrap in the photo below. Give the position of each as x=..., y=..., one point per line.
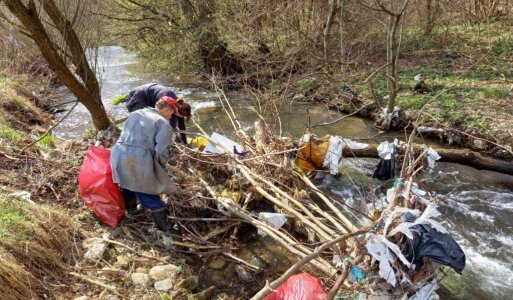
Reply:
x=275, y=219
x=220, y=144
x=432, y=157
x=333, y=155
x=427, y=292
x=355, y=145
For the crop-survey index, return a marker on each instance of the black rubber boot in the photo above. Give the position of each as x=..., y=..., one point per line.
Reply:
x=161, y=220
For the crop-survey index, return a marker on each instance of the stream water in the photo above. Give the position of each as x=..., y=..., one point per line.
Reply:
x=479, y=204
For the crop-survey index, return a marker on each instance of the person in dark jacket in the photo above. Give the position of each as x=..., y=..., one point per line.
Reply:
x=148, y=94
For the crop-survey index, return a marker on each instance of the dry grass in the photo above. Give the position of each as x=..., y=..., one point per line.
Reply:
x=35, y=246
x=16, y=106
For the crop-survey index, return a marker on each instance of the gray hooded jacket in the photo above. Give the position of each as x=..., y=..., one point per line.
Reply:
x=139, y=157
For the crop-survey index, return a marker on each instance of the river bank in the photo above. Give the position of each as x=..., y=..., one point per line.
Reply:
x=466, y=194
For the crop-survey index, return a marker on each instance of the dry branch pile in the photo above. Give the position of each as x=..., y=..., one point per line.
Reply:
x=319, y=231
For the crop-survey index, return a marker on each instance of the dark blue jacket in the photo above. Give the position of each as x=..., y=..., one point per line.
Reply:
x=148, y=95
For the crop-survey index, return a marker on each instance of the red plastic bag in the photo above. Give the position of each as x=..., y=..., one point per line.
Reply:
x=97, y=188
x=299, y=287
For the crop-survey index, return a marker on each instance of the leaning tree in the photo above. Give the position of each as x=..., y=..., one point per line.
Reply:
x=52, y=30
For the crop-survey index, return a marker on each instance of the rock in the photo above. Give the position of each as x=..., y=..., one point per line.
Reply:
x=298, y=97
x=116, y=231
x=55, y=154
x=217, y=276
x=203, y=295
x=141, y=279
x=190, y=283
x=122, y=261
x=478, y=144
x=164, y=285
x=164, y=272
x=111, y=297
x=96, y=252
x=88, y=243
x=141, y=270
x=243, y=273
x=65, y=145
x=82, y=298
x=319, y=175
x=225, y=296
x=217, y=264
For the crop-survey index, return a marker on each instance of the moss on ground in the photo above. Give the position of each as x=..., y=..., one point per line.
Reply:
x=14, y=224
x=9, y=135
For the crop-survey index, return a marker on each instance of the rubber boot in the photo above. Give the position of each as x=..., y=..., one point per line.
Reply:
x=161, y=220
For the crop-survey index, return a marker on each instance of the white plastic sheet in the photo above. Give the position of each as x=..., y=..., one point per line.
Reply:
x=387, y=117
x=355, y=145
x=427, y=292
x=220, y=144
x=275, y=219
x=333, y=155
x=379, y=251
x=432, y=157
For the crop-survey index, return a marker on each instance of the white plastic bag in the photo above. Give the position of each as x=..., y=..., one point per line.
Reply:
x=220, y=144
x=432, y=157
x=275, y=219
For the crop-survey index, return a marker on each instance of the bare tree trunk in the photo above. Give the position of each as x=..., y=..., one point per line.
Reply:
x=327, y=27
x=88, y=93
x=342, y=30
x=431, y=11
x=392, y=53
x=215, y=55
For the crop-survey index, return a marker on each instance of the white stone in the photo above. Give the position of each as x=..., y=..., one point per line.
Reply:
x=88, y=243
x=164, y=272
x=122, y=261
x=82, y=298
x=111, y=297
x=141, y=279
x=164, y=285
x=96, y=252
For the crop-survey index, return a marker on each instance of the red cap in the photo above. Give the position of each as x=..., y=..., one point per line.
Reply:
x=170, y=101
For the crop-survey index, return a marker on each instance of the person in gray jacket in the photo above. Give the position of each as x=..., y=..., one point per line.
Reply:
x=139, y=159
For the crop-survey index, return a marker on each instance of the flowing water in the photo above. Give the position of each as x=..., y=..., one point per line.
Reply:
x=479, y=204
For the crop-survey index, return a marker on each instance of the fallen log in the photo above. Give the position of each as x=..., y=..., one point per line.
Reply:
x=459, y=156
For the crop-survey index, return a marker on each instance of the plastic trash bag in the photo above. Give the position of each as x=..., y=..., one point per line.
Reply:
x=199, y=142
x=386, y=167
x=299, y=287
x=312, y=154
x=440, y=247
x=97, y=188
